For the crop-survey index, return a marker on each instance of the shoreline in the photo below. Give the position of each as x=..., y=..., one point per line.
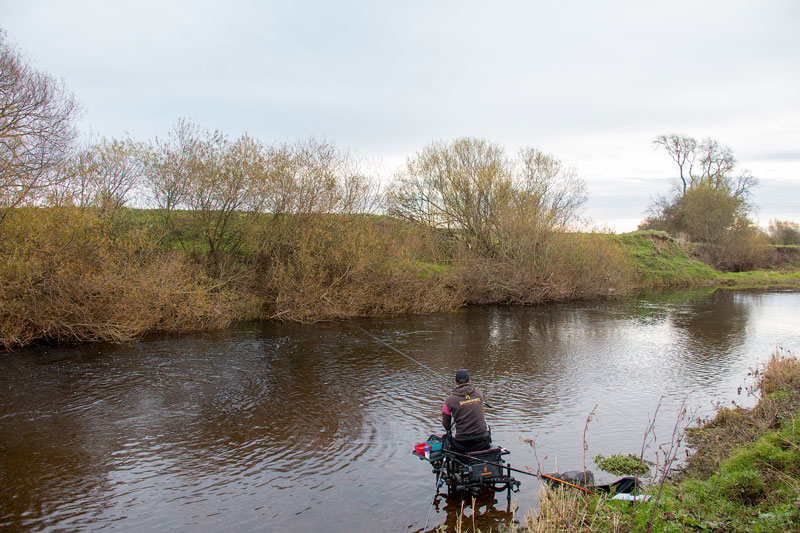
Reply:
x=71, y=275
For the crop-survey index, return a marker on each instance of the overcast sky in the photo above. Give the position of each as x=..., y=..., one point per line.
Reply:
x=590, y=82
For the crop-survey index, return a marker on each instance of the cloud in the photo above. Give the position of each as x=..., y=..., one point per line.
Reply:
x=791, y=155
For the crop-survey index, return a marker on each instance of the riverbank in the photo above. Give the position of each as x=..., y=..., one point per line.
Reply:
x=743, y=474
x=82, y=275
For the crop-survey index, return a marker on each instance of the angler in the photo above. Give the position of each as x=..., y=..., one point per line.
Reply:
x=464, y=458
x=463, y=411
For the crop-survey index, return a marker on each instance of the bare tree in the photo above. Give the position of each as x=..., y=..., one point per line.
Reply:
x=37, y=129
x=222, y=194
x=462, y=186
x=681, y=149
x=784, y=232
x=707, y=163
x=716, y=162
x=218, y=182
x=104, y=174
x=312, y=176
x=558, y=192
x=170, y=163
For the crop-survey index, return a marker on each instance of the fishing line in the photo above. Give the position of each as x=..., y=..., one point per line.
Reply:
x=411, y=359
x=403, y=354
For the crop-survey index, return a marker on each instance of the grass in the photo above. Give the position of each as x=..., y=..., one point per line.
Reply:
x=744, y=474
x=660, y=260
x=758, y=279
x=427, y=270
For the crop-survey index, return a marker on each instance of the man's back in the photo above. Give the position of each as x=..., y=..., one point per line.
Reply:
x=465, y=406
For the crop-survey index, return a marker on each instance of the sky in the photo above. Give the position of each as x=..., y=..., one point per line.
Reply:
x=592, y=83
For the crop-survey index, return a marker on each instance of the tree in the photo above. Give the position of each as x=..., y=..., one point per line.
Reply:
x=170, y=163
x=706, y=162
x=104, y=174
x=462, y=187
x=222, y=195
x=313, y=176
x=682, y=150
x=37, y=129
x=218, y=182
x=712, y=206
x=478, y=194
x=784, y=232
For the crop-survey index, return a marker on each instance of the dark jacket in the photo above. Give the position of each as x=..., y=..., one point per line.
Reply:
x=464, y=407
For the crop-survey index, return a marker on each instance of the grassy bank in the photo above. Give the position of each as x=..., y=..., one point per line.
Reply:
x=659, y=261
x=743, y=475
x=76, y=274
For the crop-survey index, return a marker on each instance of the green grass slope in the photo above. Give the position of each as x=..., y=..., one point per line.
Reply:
x=660, y=261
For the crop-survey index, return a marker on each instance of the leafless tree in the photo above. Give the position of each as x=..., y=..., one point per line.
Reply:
x=558, y=191
x=462, y=186
x=707, y=163
x=681, y=149
x=716, y=162
x=784, y=232
x=313, y=176
x=170, y=164
x=104, y=174
x=37, y=129
x=222, y=194
x=218, y=182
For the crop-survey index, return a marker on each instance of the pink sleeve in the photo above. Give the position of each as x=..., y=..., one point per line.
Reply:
x=445, y=409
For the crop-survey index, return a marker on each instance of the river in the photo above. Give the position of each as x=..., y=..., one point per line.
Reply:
x=287, y=427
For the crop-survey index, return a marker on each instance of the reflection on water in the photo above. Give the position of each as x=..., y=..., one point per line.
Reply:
x=290, y=427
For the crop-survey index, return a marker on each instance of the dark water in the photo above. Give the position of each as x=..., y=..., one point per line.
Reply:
x=298, y=428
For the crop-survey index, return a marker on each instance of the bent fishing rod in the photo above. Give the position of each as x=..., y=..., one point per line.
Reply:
x=426, y=367
x=451, y=452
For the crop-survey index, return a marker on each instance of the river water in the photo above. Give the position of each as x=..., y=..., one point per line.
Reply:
x=286, y=427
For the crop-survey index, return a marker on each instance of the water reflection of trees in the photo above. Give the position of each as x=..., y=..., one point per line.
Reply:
x=52, y=455
x=249, y=402
x=710, y=323
x=715, y=325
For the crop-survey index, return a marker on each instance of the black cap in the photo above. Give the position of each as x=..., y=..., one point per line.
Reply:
x=462, y=376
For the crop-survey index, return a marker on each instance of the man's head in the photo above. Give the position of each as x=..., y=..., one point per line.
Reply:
x=462, y=376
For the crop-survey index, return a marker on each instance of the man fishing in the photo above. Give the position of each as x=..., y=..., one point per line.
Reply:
x=464, y=410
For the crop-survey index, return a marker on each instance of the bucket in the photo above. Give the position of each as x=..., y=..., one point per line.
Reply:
x=422, y=448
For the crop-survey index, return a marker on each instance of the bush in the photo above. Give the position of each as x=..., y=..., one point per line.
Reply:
x=64, y=277
x=622, y=465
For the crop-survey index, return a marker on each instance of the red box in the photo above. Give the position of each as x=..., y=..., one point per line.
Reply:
x=422, y=447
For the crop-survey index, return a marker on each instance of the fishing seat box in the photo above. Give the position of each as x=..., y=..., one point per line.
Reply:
x=479, y=470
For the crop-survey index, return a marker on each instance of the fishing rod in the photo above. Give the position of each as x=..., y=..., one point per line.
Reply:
x=410, y=358
x=517, y=470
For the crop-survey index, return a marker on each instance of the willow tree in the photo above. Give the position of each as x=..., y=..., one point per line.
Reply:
x=207, y=187
x=103, y=175
x=496, y=204
x=314, y=176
